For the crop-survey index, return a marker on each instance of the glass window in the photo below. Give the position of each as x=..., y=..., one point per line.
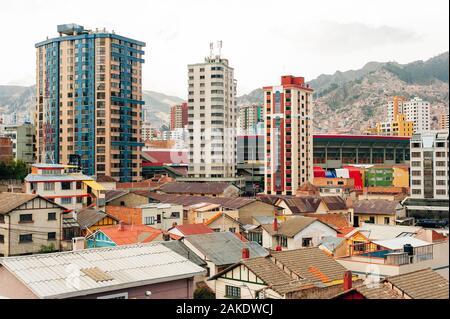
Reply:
x=51, y=236
x=51, y=216
x=24, y=218
x=26, y=238
x=232, y=292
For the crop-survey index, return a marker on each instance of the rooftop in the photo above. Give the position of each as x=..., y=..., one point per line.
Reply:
x=422, y=284
x=49, y=275
x=194, y=188
x=193, y=229
x=375, y=207
x=291, y=227
x=224, y=248
x=311, y=263
x=89, y=216
x=131, y=234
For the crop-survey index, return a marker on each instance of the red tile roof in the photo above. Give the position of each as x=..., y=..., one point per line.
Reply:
x=131, y=216
x=131, y=234
x=345, y=230
x=194, y=229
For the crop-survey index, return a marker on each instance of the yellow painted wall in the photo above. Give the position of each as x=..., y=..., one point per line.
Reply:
x=401, y=177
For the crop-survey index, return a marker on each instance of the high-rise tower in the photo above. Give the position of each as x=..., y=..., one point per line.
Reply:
x=89, y=99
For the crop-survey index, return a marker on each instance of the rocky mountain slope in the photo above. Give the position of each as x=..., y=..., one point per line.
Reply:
x=21, y=100
x=343, y=102
x=349, y=101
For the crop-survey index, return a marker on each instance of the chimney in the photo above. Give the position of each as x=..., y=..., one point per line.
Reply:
x=120, y=226
x=78, y=243
x=245, y=253
x=347, y=280
x=275, y=224
x=278, y=248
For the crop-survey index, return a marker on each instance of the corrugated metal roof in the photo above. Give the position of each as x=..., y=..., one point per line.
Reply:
x=59, y=275
x=382, y=232
x=375, y=207
x=399, y=242
x=224, y=248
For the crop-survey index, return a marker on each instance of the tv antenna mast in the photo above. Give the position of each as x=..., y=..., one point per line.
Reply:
x=219, y=45
x=211, y=49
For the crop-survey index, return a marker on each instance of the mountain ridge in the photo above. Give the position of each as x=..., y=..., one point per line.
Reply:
x=351, y=98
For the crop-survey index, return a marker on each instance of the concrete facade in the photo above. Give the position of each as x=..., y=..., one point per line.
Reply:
x=212, y=119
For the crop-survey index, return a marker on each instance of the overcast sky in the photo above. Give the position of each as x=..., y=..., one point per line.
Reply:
x=262, y=39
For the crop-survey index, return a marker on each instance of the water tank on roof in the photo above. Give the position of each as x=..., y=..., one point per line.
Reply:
x=408, y=248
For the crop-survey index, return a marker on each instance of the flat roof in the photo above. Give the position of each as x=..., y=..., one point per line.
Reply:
x=362, y=137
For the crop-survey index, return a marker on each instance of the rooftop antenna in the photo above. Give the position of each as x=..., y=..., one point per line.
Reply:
x=219, y=45
x=211, y=49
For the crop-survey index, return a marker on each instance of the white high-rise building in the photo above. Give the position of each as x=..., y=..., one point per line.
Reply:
x=416, y=110
x=429, y=165
x=212, y=118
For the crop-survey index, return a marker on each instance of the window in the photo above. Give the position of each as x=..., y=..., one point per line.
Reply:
x=51, y=216
x=49, y=186
x=78, y=185
x=66, y=185
x=307, y=242
x=149, y=220
x=232, y=229
x=27, y=238
x=79, y=200
x=387, y=220
x=66, y=200
x=175, y=215
x=2, y=219
x=282, y=241
x=51, y=236
x=26, y=218
x=232, y=292
x=2, y=239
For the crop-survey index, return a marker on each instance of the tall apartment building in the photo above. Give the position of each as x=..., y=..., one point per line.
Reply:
x=288, y=126
x=89, y=99
x=416, y=110
x=443, y=121
x=178, y=116
x=212, y=119
x=22, y=137
x=429, y=165
x=249, y=118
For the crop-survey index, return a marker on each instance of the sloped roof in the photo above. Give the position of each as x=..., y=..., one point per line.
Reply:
x=113, y=194
x=10, y=201
x=400, y=242
x=180, y=248
x=273, y=276
x=89, y=216
x=224, y=248
x=131, y=216
x=337, y=221
x=131, y=234
x=311, y=263
x=188, y=200
x=221, y=214
x=47, y=275
x=382, y=232
x=422, y=284
x=291, y=227
x=302, y=204
x=375, y=207
x=334, y=202
x=193, y=229
x=331, y=243
x=194, y=188
x=105, y=179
